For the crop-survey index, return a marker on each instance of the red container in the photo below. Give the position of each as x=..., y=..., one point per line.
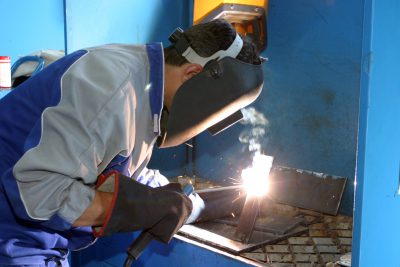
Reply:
x=5, y=72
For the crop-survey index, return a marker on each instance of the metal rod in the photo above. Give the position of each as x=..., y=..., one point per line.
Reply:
x=248, y=219
x=223, y=188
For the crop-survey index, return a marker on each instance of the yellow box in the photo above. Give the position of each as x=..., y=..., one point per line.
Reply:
x=202, y=8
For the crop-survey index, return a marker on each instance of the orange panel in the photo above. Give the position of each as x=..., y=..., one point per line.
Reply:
x=203, y=7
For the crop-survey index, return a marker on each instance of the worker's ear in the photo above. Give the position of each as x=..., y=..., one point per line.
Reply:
x=190, y=70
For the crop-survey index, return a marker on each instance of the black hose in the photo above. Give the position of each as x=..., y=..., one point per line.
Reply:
x=128, y=261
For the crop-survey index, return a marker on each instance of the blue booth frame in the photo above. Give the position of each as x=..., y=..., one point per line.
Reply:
x=342, y=58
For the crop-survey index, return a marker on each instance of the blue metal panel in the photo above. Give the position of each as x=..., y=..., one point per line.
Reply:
x=95, y=22
x=310, y=96
x=377, y=216
x=29, y=26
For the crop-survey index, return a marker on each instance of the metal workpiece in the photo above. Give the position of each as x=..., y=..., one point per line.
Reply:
x=275, y=224
x=306, y=189
x=222, y=237
x=221, y=202
x=247, y=219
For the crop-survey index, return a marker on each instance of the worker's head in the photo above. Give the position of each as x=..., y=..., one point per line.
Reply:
x=206, y=39
x=210, y=73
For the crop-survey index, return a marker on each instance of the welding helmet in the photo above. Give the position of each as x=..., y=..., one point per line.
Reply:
x=212, y=99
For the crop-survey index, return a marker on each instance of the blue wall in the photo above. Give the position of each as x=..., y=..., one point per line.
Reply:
x=96, y=22
x=310, y=95
x=377, y=216
x=28, y=26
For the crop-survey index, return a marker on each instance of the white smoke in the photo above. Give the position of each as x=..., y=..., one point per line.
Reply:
x=256, y=131
x=253, y=117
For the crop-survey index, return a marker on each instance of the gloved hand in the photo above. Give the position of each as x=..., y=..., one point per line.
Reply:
x=161, y=210
x=210, y=205
x=198, y=207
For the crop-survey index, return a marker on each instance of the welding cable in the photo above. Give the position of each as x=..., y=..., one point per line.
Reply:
x=22, y=60
x=137, y=247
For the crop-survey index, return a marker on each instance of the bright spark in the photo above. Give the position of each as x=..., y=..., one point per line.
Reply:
x=255, y=178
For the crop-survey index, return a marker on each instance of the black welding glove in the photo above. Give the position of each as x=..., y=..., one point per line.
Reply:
x=216, y=204
x=161, y=211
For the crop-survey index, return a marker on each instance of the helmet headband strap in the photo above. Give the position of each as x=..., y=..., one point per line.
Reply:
x=183, y=47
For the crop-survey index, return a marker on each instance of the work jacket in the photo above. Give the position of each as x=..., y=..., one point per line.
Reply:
x=90, y=112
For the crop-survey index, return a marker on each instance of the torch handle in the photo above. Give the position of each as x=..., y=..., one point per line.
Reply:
x=139, y=244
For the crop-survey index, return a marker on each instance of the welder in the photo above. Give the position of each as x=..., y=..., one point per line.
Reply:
x=76, y=138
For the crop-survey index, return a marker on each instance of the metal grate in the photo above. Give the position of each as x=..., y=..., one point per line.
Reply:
x=327, y=238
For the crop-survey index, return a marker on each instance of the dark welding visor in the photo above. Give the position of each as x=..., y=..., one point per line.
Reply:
x=211, y=100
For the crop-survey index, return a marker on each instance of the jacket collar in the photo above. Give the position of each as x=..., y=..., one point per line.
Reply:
x=156, y=58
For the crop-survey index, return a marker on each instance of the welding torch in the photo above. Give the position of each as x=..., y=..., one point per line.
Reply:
x=140, y=243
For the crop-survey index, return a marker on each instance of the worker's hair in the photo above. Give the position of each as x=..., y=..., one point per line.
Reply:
x=208, y=38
